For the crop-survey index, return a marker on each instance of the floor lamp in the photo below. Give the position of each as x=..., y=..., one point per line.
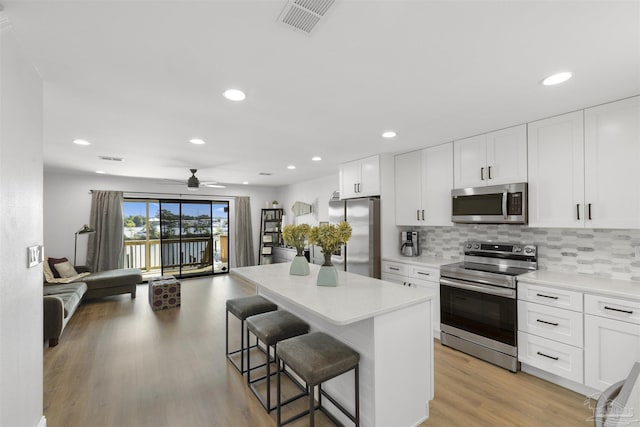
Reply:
x=84, y=230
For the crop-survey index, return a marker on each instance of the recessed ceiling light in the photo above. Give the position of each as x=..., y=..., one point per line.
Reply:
x=81, y=142
x=101, y=172
x=557, y=78
x=389, y=134
x=291, y=167
x=234, y=95
x=245, y=182
x=316, y=158
x=197, y=141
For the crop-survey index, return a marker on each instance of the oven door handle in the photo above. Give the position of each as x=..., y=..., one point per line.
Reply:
x=501, y=292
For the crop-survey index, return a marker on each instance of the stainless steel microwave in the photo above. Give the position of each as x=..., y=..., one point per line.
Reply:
x=494, y=204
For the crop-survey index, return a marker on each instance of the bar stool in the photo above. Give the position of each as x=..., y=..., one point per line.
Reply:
x=317, y=358
x=270, y=328
x=243, y=308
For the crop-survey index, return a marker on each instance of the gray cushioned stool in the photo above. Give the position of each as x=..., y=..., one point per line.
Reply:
x=270, y=328
x=243, y=308
x=316, y=358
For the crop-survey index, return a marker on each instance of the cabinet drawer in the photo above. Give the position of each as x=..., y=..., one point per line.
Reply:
x=395, y=268
x=551, y=322
x=546, y=295
x=425, y=273
x=612, y=308
x=551, y=356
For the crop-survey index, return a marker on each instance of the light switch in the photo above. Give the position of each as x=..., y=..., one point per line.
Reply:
x=35, y=255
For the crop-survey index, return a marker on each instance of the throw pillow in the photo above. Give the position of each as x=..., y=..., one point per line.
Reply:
x=52, y=262
x=65, y=269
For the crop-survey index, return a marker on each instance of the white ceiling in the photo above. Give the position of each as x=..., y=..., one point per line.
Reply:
x=140, y=78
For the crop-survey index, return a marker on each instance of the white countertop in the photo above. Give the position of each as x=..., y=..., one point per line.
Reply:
x=585, y=283
x=422, y=261
x=355, y=298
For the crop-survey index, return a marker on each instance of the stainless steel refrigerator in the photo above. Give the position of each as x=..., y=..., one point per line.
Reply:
x=361, y=254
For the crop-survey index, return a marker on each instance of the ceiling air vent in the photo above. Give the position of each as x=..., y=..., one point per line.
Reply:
x=304, y=15
x=112, y=159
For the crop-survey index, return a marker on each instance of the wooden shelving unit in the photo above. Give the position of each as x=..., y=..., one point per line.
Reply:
x=270, y=234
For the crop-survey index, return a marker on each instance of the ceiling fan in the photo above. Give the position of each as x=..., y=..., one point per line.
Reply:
x=193, y=182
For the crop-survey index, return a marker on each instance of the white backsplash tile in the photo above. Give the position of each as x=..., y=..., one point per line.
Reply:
x=604, y=253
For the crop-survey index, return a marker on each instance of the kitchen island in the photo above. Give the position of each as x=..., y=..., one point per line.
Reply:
x=389, y=325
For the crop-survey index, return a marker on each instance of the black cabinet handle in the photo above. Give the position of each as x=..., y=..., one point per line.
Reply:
x=618, y=309
x=547, y=296
x=482, y=174
x=578, y=211
x=418, y=214
x=423, y=214
x=546, y=355
x=394, y=268
x=589, y=205
x=489, y=170
x=424, y=274
x=547, y=323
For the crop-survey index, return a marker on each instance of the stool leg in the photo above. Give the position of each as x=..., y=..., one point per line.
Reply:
x=226, y=334
x=357, y=387
x=278, y=399
x=311, y=407
x=242, y=346
x=248, y=357
x=269, y=378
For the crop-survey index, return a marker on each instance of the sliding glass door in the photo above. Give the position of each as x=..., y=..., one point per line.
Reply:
x=191, y=237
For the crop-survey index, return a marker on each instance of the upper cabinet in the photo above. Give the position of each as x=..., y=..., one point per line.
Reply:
x=360, y=178
x=493, y=158
x=423, y=183
x=612, y=164
x=556, y=171
x=585, y=179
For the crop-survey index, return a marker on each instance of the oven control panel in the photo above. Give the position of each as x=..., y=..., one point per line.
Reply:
x=505, y=249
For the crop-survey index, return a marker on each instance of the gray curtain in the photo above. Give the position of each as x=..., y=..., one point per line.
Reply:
x=244, y=233
x=106, y=246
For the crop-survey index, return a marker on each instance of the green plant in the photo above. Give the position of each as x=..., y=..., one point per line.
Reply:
x=296, y=236
x=275, y=202
x=330, y=237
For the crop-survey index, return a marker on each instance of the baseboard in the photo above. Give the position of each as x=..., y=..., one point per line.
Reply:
x=562, y=382
x=43, y=422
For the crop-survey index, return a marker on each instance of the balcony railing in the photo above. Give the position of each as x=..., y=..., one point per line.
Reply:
x=194, y=252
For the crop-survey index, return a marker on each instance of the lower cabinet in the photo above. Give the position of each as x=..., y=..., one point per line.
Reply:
x=550, y=330
x=592, y=340
x=612, y=340
x=415, y=276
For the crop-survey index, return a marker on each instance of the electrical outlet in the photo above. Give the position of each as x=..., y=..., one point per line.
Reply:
x=35, y=255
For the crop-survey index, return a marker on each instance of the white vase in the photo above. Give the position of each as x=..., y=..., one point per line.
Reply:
x=327, y=275
x=299, y=266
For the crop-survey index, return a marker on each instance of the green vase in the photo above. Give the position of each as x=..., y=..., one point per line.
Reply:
x=328, y=275
x=299, y=266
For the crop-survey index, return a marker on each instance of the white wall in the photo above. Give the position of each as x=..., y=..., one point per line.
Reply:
x=67, y=204
x=21, y=402
x=316, y=192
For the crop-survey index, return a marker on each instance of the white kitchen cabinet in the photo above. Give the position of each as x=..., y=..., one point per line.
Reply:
x=612, y=159
x=423, y=183
x=360, y=178
x=556, y=171
x=498, y=157
x=550, y=330
x=416, y=276
x=612, y=339
x=582, y=178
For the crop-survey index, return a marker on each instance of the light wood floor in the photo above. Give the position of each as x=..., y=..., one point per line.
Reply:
x=121, y=364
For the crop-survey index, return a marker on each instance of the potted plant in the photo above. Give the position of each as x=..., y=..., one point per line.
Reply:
x=275, y=204
x=296, y=236
x=329, y=237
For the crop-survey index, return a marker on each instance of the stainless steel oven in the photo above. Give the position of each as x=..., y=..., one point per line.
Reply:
x=478, y=300
x=494, y=204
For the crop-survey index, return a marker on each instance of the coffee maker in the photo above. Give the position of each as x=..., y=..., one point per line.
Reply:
x=409, y=243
